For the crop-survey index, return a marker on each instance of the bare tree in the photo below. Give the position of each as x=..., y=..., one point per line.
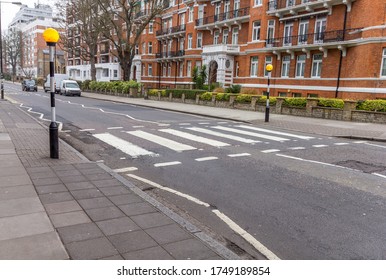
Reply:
x=13, y=46
x=125, y=21
x=84, y=27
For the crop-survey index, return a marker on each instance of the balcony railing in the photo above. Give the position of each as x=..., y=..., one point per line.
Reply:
x=326, y=37
x=171, y=30
x=221, y=48
x=223, y=17
x=282, y=4
x=170, y=54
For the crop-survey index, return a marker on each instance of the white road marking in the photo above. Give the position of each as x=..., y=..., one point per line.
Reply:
x=359, y=142
x=195, y=138
x=122, y=158
x=184, y=124
x=276, y=132
x=151, y=183
x=126, y=169
x=270, y=151
x=138, y=126
x=239, y=155
x=116, y=127
x=248, y=237
x=87, y=129
x=66, y=131
x=124, y=146
x=222, y=122
x=164, y=124
x=273, y=138
x=380, y=175
x=100, y=160
x=379, y=146
x=319, y=146
x=173, y=145
x=235, y=227
x=318, y=162
x=204, y=123
x=223, y=135
x=341, y=144
x=296, y=148
x=206, y=158
x=167, y=163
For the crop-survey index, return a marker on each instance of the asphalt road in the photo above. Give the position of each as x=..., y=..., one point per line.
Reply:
x=290, y=195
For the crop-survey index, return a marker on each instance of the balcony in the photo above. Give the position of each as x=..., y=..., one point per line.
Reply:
x=225, y=19
x=321, y=40
x=141, y=14
x=172, y=55
x=282, y=8
x=168, y=33
x=221, y=49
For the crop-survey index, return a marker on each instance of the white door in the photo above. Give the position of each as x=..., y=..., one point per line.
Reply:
x=303, y=32
x=288, y=34
x=320, y=29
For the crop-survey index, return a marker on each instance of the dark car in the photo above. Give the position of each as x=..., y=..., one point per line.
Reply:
x=29, y=85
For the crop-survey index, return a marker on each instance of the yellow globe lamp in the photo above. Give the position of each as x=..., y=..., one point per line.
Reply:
x=51, y=36
x=269, y=67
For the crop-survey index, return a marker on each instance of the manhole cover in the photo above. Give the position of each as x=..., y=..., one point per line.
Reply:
x=363, y=166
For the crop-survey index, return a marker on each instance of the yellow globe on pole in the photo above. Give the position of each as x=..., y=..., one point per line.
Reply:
x=269, y=67
x=50, y=35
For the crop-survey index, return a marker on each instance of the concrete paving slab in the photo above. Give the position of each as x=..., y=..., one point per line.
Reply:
x=55, y=197
x=89, y=171
x=87, y=193
x=7, y=151
x=106, y=213
x=132, y=241
x=79, y=186
x=51, y=189
x=190, y=249
x=73, y=179
x=118, y=190
x=66, y=173
x=98, y=202
x=125, y=199
x=63, y=167
x=153, y=253
x=40, y=169
x=133, y=209
x=7, y=193
x=117, y=226
x=24, y=225
x=113, y=258
x=4, y=137
x=15, y=180
x=20, y=206
x=42, y=175
x=46, y=246
x=107, y=183
x=46, y=181
x=69, y=219
x=99, y=176
x=62, y=207
x=6, y=145
x=91, y=249
x=79, y=232
x=85, y=165
x=168, y=234
x=11, y=171
x=150, y=220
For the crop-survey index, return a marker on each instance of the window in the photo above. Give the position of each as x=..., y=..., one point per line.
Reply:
x=258, y=2
x=237, y=68
x=189, y=68
x=270, y=31
x=320, y=29
x=143, y=48
x=198, y=64
x=383, y=66
x=300, y=65
x=199, y=39
x=150, y=47
x=164, y=69
x=235, y=35
x=216, y=37
x=225, y=35
x=256, y=31
x=150, y=70
x=169, y=69
x=254, y=65
x=151, y=27
x=190, y=39
x=268, y=60
x=115, y=73
x=190, y=14
x=285, y=66
x=316, y=65
x=181, y=69
x=303, y=32
x=288, y=28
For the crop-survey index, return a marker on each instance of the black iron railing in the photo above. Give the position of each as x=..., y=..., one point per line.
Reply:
x=223, y=17
x=170, y=54
x=315, y=38
x=171, y=30
x=281, y=4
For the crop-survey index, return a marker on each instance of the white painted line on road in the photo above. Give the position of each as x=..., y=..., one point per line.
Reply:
x=167, y=163
x=195, y=138
x=222, y=122
x=116, y=127
x=87, y=129
x=235, y=227
x=184, y=123
x=318, y=162
x=173, y=145
x=319, y=146
x=296, y=148
x=206, y=158
x=204, y=123
x=164, y=124
x=380, y=175
x=122, y=158
x=270, y=151
x=126, y=169
x=341, y=144
x=188, y=197
x=138, y=126
x=360, y=142
x=223, y=135
x=239, y=155
x=379, y=146
x=99, y=161
x=273, y=138
x=276, y=132
x=66, y=131
x=124, y=146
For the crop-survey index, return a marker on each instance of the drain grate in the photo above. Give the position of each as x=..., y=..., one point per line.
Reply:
x=362, y=166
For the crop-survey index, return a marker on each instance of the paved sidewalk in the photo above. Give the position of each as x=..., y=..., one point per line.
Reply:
x=367, y=131
x=70, y=208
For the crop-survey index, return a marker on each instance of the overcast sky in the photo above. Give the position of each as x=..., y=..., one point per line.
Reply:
x=8, y=11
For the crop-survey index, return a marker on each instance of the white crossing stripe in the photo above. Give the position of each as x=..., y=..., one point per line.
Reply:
x=270, y=151
x=223, y=135
x=240, y=155
x=296, y=148
x=115, y=127
x=276, y=132
x=273, y=138
x=124, y=146
x=87, y=129
x=195, y=138
x=341, y=144
x=173, y=145
x=319, y=146
x=167, y=163
x=206, y=158
x=126, y=169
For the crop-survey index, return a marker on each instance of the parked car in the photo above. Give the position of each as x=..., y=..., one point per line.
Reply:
x=58, y=79
x=29, y=85
x=69, y=87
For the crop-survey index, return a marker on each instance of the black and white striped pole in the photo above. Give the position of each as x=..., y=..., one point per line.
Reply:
x=51, y=36
x=269, y=69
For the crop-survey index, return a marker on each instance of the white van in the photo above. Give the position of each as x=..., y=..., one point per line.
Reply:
x=69, y=87
x=58, y=79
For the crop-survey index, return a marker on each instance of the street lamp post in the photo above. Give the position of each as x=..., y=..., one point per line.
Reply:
x=269, y=69
x=51, y=36
x=1, y=50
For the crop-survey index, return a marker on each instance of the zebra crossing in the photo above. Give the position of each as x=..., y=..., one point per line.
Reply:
x=217, y=136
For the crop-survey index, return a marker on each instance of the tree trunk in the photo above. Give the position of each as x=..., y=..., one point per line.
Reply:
x=93, y=70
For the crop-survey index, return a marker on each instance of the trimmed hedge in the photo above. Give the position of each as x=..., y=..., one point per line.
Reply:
x=189, y=93
x=243, y=98
x=207, y=96
x=331, y=102
x=119, y=86
x=223, y=96
x=372, y=105
x=295, y=102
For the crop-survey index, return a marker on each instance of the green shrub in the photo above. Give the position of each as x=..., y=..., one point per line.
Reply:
x=152, y=92
x=295, y=102
x=243, y=98
x=86, y=85
x=262, y=100
x=207, y=96
x=93, y=85
x=331, y=102
x=250, y=91
x=222, y=97
x=219, y=90
x=372, y=105
x=189, y=93
x=234, y=89
x=164, y=93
